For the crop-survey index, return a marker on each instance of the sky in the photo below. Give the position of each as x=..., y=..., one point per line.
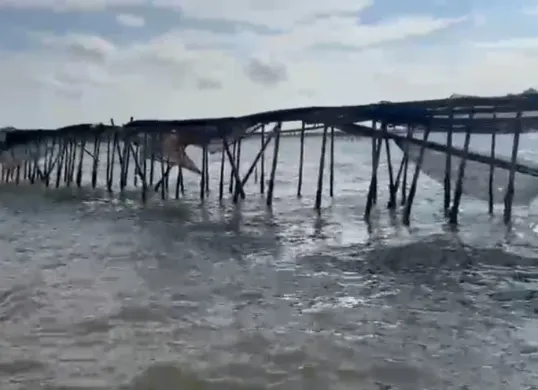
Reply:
x=73, y=61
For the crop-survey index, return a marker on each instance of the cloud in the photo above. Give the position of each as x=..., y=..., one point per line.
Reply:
x=282, y=12
x=208, y=83
x=233, y=58
x=80, y=45
x=276, y=14
x=69, y=5
x=130, y=20
x=266, y=73
x=524, y=43
x=345, y=31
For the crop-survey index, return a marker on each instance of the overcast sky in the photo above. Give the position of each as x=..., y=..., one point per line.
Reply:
x=72, y=61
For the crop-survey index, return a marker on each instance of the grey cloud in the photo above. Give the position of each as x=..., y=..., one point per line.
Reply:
x=208, y=83
x=92, y=48
x=61, y=88
x=130, y=20
x=266, y=73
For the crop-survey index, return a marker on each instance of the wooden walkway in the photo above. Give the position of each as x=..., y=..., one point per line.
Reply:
x=56, y=156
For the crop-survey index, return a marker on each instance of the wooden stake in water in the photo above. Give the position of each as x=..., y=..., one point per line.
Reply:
x=276, y=146
x=448, y=163
x=492, y=167
x=252, y=166
x=458, y=191
x=96, y=158
x=405, y=161
x=509, y=197
x=331, y=169
x=179, y=182
x=372, y=189
x=144, y=170
x=392, y=183
x=232, y=163
x=206, y=171
x=202, y=176
x=62, y=151
x=319, y=190
x=80, y=163
x=301, y=161
x=406, y=219
x=262, y=163
x=221, y=179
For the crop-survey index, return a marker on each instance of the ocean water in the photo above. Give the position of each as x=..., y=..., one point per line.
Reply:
x=100, y=292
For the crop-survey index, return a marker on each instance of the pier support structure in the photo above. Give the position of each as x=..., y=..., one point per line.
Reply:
x=136, y=155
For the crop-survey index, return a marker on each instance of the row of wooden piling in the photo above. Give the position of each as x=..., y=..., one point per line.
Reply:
x=62, y=160
x=451, y=209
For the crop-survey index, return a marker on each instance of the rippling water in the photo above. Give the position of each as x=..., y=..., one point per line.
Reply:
x=99, y=292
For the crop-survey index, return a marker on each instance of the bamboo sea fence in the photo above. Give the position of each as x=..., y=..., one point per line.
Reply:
x=58, y=157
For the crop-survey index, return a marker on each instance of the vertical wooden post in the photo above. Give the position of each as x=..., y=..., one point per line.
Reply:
x=221, y=179
x=509, y=197
x=406, y=164
x=375, y=152
x=372, y=190
x=458, y=191
x=331, y=169
x=413, y=189
x=63, y=152
x=392, y=184
x=491, y=191
x=145, y=168
x=96, y=158
x=301, y=161
x=262, y=163
x=179, y=181
x=448, y=162
x=276, y=146
x=232, y=181
x=319, y=191
x=80, y=163
x=206, y=158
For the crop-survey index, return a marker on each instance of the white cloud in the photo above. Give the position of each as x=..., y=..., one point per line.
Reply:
x=528, y=43
x=130, y=20
x=194, y=73
x=70, y=5
x=282, y=12
x=274, y=14
x=479, y=19
x=345, y=31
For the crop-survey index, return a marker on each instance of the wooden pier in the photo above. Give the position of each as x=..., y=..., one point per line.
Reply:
x=57, y=157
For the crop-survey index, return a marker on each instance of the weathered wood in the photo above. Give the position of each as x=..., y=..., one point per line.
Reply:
x=319, y=190
x=60, y=152
x=413, y=190
x=458, y=191
x=507, y=215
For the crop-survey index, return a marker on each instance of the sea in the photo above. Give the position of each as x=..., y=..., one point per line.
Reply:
x=99, y=291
